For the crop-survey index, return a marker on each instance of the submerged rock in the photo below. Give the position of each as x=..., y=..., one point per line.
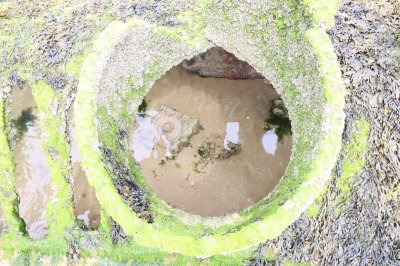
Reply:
x=218, y=63
x=177, y=127
x=213, y=149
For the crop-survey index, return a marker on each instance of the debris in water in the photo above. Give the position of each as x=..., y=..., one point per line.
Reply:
x=145, y=136
x=215, y=148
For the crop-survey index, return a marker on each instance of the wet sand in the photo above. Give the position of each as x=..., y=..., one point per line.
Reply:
x=87, y=207
x=221, y=105
x=33, y=178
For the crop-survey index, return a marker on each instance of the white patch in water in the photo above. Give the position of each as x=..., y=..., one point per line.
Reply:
x=84, y=217
x=232, y=133
x=146, y=136
x=270, y=141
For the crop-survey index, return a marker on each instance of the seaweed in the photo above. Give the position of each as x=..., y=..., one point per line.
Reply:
x=284, y=126
x=142, y=108
x=22, y=122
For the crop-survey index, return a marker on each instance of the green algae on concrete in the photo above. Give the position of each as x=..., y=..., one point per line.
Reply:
x=323, y=11
x=183, y=232
x=59, y=210
x=354, y=158
x=272, y=216
x=8, y=195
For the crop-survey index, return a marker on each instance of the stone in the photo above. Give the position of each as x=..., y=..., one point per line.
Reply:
x=278, y=111
x=177, y=127
x=213, y=149
x=218, y=63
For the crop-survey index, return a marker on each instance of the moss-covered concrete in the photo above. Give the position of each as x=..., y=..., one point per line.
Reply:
x=284, y=40
x=354, y=158
x=8, y=195
x=59, y=210
x=317, y=129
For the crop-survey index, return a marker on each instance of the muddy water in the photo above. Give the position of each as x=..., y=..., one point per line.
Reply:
x=234, y=109
x=3, y=224
x=32, y=173
x=87, y=207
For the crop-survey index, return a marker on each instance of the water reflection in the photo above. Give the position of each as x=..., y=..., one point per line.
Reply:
x=33, y=182
x=147, y=135
x=270, y=141
x=85, y=217
x=87, y=207
x=232, y=134
x=33, y=177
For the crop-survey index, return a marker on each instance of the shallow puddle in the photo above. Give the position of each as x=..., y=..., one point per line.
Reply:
x=230, y=112
x=32, y=173
x=3, y=224
x=87, y=207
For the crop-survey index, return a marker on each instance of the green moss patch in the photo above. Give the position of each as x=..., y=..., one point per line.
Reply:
x=59, y=210
x=354, y=154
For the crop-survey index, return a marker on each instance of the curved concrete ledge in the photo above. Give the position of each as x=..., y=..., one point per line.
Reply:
x=299, y=61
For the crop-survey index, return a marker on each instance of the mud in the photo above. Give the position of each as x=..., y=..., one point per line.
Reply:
x=87, y=207
x=235, y=109
x=3, y=224
x=33, y=178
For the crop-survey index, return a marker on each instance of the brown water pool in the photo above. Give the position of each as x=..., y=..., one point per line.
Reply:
x=32, y=173
x=235, y=110
x=87, y=207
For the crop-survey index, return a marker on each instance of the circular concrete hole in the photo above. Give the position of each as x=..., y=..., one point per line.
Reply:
x=203, y=143
x=127, y=59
